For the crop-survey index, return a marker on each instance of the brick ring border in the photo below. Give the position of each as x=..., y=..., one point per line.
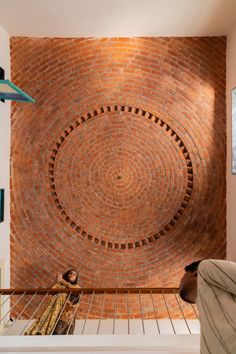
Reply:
x=167, y=129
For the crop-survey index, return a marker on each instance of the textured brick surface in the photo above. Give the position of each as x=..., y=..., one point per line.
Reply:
x=119, y=168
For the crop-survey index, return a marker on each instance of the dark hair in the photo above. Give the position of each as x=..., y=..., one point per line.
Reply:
x=192, y=267
x=65, y=276
x=184, y=296
x=74, y=298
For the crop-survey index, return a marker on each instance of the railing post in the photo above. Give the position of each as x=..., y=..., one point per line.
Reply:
x=114, y=318
x=154, y=309
x=101, y=312
x=74, y=314
x=141, y=310
x=91, y=300
x=168, y=313
x=128, y=312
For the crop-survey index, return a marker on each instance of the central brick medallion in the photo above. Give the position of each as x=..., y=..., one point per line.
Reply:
x=120, y=176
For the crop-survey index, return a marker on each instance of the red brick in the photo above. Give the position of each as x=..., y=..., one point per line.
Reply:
x=96, y=222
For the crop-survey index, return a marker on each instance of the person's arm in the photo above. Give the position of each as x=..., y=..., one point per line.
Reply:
x=61, y=281
x=69, y=285
x=56, y=286
x=219, y=273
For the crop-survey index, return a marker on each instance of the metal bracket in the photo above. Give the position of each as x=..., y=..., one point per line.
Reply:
x=2, y=77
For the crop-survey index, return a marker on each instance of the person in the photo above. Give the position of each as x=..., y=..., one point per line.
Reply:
x=212, y=285
x=59, y=315
x=188, y=283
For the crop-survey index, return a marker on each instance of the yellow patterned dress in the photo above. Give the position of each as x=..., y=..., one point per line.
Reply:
x=52, y=321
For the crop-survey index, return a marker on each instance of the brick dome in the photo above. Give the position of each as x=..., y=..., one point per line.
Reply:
x=119, y=167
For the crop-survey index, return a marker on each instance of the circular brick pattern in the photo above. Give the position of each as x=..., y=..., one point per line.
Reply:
x=128, y=165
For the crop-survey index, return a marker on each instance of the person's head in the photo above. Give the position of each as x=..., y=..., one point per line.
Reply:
x=188, y=283
x=71, y=276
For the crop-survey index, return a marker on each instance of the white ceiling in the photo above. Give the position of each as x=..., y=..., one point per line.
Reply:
x=117, y=18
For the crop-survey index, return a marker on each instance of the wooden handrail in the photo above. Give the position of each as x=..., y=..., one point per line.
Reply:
x=30, y=291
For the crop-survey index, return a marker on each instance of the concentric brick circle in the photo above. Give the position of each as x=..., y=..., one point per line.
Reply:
x=127, y=165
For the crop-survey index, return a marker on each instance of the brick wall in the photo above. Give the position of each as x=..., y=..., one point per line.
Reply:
x=119, y=168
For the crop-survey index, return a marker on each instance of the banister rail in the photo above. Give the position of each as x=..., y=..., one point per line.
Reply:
x=31, y=291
